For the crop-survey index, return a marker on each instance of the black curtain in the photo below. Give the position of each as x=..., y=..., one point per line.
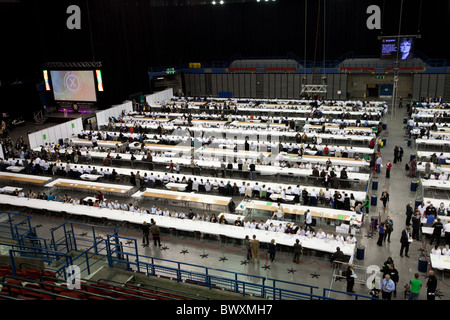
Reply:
x=129, y=36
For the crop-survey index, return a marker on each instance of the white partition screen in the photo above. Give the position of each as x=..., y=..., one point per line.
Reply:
x=113, y=112
x=54, y=134
x=159, y=97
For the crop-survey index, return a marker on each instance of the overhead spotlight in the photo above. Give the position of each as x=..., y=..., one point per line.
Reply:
x=213, y=2
x=221, y=1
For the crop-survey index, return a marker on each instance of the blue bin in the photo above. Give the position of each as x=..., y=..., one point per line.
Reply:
x=409, y=143
x=384, y=142
x=413, y=186
x=374, y=185
x=360, y=252
x=405, y=121
x=384, y=126
x=373, y=201
x=423, y=264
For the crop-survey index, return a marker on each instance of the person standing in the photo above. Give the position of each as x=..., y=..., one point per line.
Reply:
x=388, y=169
x=156, y=233
x=308, y=220
x=381, y=231
x=405, y=239
x=396, y=152
x=431, y=286
x=389, y=227
x=145, y=233
x=254, y=246
x=272, y=250
x=393, y=274
x=415, y=286
x=437, y=230
x=387, y=287
x=351, y=276
x=247, y=247
x=409, y=213
x=385, y=199
x=416, y=226
x=297, y=251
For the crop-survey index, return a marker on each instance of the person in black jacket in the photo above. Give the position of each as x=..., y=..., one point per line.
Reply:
x=416, y=226
x=409, y=213
x=404, y=240
x=437, y=229
x=145, y=233
x=393, y=273
x=431, y=286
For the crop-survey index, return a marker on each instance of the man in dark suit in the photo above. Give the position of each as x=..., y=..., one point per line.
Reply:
x=409, y=213
x=404, y=240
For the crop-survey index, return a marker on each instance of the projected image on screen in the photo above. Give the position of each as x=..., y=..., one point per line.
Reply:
x=404, y=46
x=73, y=85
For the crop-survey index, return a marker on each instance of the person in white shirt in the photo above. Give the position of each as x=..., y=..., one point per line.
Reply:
x=279, y=214
x=321, y=234
x=436, y=250
x=271, y=227
x=182, y=215
x=116, y=205
x=261, y=225
x=166, y=212
x=308, y=219
x=446, y=250
x=247, y=223
x=351, y=239
x=280, y=228
x=158, y=212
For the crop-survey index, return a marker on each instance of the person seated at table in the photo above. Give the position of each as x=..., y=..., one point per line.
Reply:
x=158, y=211
x=182, y=215
x=339, y=237
x=238, y=222
x=269, y=192
x=222, y=220
x=213, y=218
x=51, y=196
x=75, y=201
x=436, y=250
x=310, y=233
x=351, y=239
x=116, y=205
x=320, y=234
x=446, y=250
x=153, y=209
x=123, y=206
x=337, y=256
x=166, y=212
x=330, y=236
x=289, y=229
x=110, y=204
x=261, y=225
x=96, y=204
x=271, y=227
x=131, y=208
x=280, y=228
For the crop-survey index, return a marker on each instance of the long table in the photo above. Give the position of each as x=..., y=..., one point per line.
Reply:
x=227, y=230
x=298, y=210
x=24, y=178
x=186, y=198
x=82, y=185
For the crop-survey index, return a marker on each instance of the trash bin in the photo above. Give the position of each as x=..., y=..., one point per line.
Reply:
x=405, y=120
x=360, y=252
x=413, y=186
x=384, y=142
x=384, y=126
x=373, y=201
x=417, y=203
x=423, y=264
x=409, y=143
x=374, y=185
x=411, y=157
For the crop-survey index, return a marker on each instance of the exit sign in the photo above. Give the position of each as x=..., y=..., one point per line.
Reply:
x=380, y=77
x=170, y=70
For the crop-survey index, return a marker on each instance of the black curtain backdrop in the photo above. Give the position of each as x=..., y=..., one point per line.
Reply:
x=129, y=36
